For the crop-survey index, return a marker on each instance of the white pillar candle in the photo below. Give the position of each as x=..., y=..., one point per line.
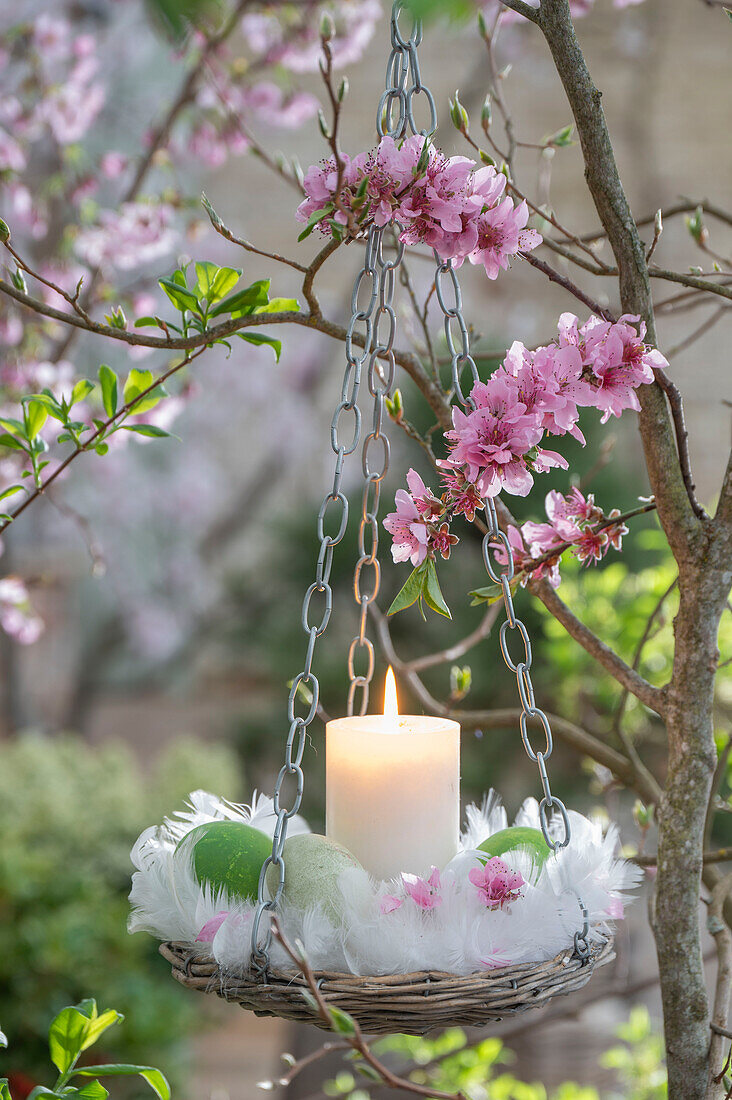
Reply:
x=393, y=789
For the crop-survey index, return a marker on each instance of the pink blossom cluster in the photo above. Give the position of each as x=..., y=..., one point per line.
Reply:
x=573, y=519
x=418, y=526
x=496, y=445
x=496, y=883
x=601, y=364
x=291, y=39
x=129, y=237
x=448, y=203
x=62, y=93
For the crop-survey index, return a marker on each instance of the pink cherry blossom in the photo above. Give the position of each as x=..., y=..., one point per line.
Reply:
x=389, y=904
x=501, y=234
x=490, y=442
x=113, y=164
x=408, y=529
x=424, y=892
x=426, y=503
x=208, y=146
x=497, y=884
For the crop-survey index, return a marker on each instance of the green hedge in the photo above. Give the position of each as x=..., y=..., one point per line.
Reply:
x=69, y=813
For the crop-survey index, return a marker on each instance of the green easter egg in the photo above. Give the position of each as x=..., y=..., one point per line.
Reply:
x=312, y=866
x=228, y=855
x=520, y=836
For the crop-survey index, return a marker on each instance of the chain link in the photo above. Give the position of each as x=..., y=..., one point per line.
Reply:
x=367, y=301
x=404, y=84
x=449, y=298
x=374, y=463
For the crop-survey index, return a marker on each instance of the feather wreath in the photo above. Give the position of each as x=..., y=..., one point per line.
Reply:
x=469, y=916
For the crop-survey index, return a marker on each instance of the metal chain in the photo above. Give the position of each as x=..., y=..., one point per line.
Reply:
x=449, y=298
x=376, y=344
x=367, y=292
x=403, y=84
x=380, y=378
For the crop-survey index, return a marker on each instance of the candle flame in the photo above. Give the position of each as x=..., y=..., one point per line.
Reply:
x=391, y=704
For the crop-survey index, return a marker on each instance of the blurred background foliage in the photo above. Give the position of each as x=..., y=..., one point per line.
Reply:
x=64, y=878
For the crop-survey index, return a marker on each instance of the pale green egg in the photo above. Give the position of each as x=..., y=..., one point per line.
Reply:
x=312, y=866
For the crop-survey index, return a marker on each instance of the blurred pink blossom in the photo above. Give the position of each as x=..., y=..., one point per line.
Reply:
x=17, y=617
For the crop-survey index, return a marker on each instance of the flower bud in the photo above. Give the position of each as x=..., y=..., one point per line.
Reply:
x=459, y=115
x=4, y=232
x=343, y=89
x=643, y=815
x=327, y=27
x=486, y=114
x=324, y=129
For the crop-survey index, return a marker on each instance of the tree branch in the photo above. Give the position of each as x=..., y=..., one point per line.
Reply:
x=601, y=172
x=652, y=697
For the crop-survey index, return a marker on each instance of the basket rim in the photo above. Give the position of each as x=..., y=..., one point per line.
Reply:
x=191, y=955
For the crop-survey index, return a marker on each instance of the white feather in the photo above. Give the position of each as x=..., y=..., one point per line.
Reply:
x=380, y=929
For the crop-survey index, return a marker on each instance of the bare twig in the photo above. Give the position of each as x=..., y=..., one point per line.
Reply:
x=101, y=428
x=356, y=1040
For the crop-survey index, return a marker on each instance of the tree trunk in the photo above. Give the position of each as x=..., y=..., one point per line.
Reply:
x=681, y=820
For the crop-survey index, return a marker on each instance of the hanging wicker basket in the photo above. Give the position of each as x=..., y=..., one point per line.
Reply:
x=411, y=1003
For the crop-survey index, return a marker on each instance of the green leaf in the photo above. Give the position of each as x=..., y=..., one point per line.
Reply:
x=10, y=441
x=410, y=591
x=75, y=1029
x=279, y=305
x=490, y=594
x=433, y=593
x=4, y=1089
x=99, y=1024
x=36, y=416
x=81, y=391
x=11, y=425
x=9, y=493
x=214, y=282
x=180, y=296
x=561, y=138
x=66, y=1037
x=315, y=218
x=3, y=1036
x=50, y=404
x=154, y=1077
x=102, y=448
x=368, y=1071
x=94, y=1090
x=138, y=381
x=260, y=338
x=108, y=381
x=245, y=301
x=147, y=429
x=343, y=1023
x=205, y=273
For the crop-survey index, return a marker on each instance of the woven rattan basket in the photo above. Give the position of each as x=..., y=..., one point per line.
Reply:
x=412, y=1003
